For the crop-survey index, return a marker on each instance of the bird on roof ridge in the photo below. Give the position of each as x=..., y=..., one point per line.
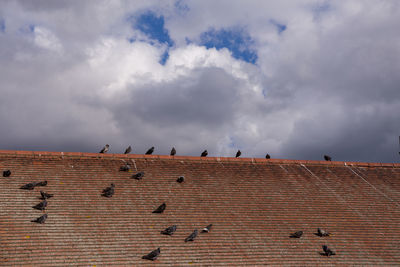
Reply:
x=105, y=149
x=44, y=183
x=238, y=153
x=192, y=236
x=327, y=158
x=267, y=156
x=152, y=255
x=327, y=251
x=181, y=179
x=6, y=173
x=321, y=232
x=204, y=153
x=125, y=168
x=45, y=195
x=169, y=230
x=109, y=191
x=138, y=176
x=150, y=151
x=173, y=152
x=128, y=150
x=41, y=219
x=160, y=208
x=207, y=229
x=297, y=234
x=41, y=206
x=29, y=186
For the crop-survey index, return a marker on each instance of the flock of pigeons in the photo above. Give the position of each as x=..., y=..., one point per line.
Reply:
x=109, y=192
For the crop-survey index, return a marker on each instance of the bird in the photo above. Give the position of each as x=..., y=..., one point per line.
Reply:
x=125, y=168
x=180, y=179
x=41, y=206
x=105, y=149
x=109, y=191
x=207, y=229
x=192, y=236
x=173, y=151
x=138, y=176
x=238, y=153
x=327, y=158
x=160, y=209
x=152, y=255
x=169, y=231
x=41, y=219
x=150, y=151
x=45, y=195
x=204, y=154
x=267, y=156
x=29, y=186
x=128, y=150
x=44, y=183
x=321, y=232
x=298, y=234
x=6, y=173
x=327, y=251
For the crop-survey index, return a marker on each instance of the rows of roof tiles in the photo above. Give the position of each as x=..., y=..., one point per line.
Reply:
x=253, y=205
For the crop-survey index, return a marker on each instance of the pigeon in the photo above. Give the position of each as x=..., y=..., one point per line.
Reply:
x=207, y=229
x=327, y=251
x=152, y=255
x=128, y=150
x=44, y=183
x=173, y=151
x=238, y=153
x=150, y=151
x=6, y=173
x=169, y=231
x=180, y=179
x=41, y=206
x=45, y=195
x=109, y=191
x=29, y=186
x=160, y=209
x=41, y=219
x=298, y=234
x=125, y=168
x=327, y=158
x=138, y=176
x=105, y=149
x=321, y=232
x=204, y=154
x=192, y=236
x=267, y=156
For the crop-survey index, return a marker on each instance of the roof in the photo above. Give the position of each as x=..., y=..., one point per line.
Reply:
x=253, y=204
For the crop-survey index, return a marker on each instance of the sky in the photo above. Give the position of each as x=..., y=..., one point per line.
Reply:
x=294, y=79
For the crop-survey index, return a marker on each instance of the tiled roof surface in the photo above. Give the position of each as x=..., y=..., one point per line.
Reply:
x=253, y=204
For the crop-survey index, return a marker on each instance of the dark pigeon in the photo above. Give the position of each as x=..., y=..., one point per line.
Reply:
x=327, y=158
x=180, y=179
x=45, y=195
x=267, y=156
x=238, y=153
x=321, y=232
x=150, y=151
x=109, y=191
x=173, y=151
x=128, y=150
x=125, y=168
x=298, y=234
x=207, y=229
x=160, y=209
x=6, y=173
x=44, y=183
x=152, y=255
x=205, y=153
x=192, y=236
x=105, y=149
x=169, y=231
x=138, y=176
x=41, y=206
x=41, y=219
x=327, y=251
x=29, y=186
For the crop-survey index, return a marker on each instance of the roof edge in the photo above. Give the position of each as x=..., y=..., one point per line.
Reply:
x=206, y=159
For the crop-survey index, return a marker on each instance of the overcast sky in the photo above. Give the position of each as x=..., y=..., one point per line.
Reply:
x=295, y=79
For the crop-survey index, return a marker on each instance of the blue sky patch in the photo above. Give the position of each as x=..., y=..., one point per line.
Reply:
x=279, y=27
x=181, y=7
x=237, y=40
x=153, y=26
x=2, y=25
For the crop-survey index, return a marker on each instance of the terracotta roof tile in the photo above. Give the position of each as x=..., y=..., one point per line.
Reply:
x=253, y=204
